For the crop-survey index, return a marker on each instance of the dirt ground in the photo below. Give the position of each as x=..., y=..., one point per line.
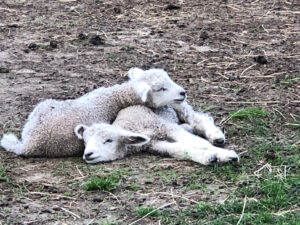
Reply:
x=227, y=54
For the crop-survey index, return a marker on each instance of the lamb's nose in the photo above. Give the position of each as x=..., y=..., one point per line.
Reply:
x=182, y=93
x=88, y=156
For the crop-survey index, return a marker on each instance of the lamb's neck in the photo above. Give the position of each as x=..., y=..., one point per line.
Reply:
x=124, y=95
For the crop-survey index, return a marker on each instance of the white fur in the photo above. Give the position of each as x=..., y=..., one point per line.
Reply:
x=201, y=123
x=49, y=130
x=166, y=137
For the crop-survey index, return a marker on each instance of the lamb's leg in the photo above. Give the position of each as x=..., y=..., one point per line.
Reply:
x=199, y=147
x=201, y=123
x=178, y=151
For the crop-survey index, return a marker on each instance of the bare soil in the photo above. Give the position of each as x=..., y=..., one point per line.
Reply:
x=227, y=54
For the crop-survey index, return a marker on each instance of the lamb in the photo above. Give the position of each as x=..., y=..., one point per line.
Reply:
x=138, y=128
x=48, y=131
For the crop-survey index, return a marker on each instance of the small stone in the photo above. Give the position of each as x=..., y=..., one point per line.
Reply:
x=53, y=44
x=96, y=40
x=260, y=59
x=4, y=70
x=82, y=36
x=32, y=46
x=117, y=10
x=172, y=7
x=204, y=35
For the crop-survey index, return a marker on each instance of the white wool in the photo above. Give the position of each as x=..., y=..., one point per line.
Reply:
x=166, y=135
x=49, y=130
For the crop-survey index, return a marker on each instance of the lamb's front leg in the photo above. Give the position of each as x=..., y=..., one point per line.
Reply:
x=178, y=151
x=201, y=123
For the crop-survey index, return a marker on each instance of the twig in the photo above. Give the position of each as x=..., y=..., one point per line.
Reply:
x=59, y=196
x=73, y=214
x=81, y=174
x=248, y=68
x=244, y=206
x=113, y=196
x=154, y=210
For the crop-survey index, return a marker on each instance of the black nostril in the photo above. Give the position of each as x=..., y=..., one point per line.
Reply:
x=182, y=93
x=87, y=155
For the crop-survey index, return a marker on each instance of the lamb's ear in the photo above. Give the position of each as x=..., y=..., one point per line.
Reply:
x=135, y=73
x=142, y=89
x=79, y=130
x=130, y=138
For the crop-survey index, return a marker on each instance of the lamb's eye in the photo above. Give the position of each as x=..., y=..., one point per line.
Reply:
x=161, y=89
x=107, y=141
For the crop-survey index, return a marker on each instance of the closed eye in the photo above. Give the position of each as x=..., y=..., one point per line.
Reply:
x=107, y=141
x=161, y=89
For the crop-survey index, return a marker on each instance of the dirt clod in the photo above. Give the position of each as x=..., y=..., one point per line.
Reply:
x=82, y=36
x=96, y=40
x=53, y=44
x=204, y=35
x=172, y=6
x=4, y=70
x=260, y=59
x=32, y=46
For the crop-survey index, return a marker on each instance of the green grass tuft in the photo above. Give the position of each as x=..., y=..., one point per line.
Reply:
x=143, y=210
x=3, y=176
x=107, y=183
x=248, y=113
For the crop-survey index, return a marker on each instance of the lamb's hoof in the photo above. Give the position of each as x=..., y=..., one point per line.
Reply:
x=236, y=159
x=213, y=159
x=219, y=142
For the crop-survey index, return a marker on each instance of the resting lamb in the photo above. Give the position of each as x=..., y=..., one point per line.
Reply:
x=49, y=130
x=138, y=128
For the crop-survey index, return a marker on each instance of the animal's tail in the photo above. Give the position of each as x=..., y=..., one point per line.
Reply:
x=11, y=143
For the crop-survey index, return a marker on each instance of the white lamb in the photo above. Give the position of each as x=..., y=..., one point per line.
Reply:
x=158, y=131
x=48, y=131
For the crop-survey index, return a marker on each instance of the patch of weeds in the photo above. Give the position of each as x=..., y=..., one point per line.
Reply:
x=62, y=169
x=111, y=56
x=134, y=186
x=108, y=223
x=12, y=130
x=121, y=172
x=226, y=171
x=248, y=113
x=107, y=183
x=60, y=217
x=295, y=125
x=257, y=127
x=290, y=80
x=3, y=176
x=167, y=175
x=260, y=29
x=143, y=210
x=276, y=153
x=195, y=186
x=127, y=48
x=45, y=198
x=67, y=194
x=258, y=123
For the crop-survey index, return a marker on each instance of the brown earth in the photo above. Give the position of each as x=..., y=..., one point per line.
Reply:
x=227, y=54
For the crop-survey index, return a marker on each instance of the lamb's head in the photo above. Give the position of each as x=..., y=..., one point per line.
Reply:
x=105, y=142
x=156, y=87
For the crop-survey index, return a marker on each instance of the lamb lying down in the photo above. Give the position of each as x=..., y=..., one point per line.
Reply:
x=49, y=130
x=138, y=128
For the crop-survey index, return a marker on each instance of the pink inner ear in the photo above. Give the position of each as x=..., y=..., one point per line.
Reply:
x=136, y=139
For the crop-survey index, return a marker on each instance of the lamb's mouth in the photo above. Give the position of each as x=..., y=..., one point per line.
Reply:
x=179, y=100
x=90, y=159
